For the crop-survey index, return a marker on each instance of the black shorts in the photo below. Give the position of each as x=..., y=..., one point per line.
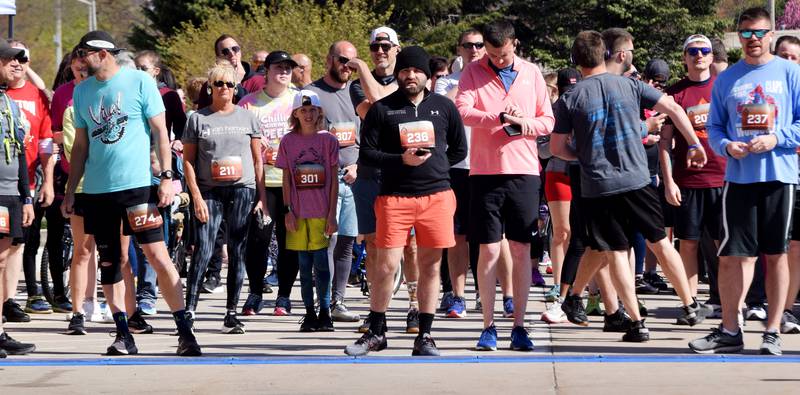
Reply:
x=459, y=182
x=668, y=211
x=11, y=224
x=796, y=217
x=612, y=221
x=700, y=208
x=503, y=204
x=135, y=210
x=756, y=218
x=79, y=204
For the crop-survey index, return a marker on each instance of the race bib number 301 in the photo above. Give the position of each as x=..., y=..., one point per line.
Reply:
x=5, y=221
x=228, y=168
x=144, y=217
x=309, y=175
x=758, y=118
x=345, y=132
x=418, y=134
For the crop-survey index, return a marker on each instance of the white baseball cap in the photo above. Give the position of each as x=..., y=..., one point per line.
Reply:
x=306, y=98
x=388, y=31
x=696, y=38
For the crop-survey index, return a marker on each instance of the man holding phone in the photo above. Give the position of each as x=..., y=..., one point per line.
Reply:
x=504, y=99
x=413, y=136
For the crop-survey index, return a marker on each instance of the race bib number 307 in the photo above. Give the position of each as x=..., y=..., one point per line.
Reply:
x=5, y=221
x=309, y=175
x=228, y=168
x=418, y=134
x=345, y=132
x=144, y=217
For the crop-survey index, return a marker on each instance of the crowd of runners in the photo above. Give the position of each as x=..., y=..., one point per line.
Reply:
x=486, y=163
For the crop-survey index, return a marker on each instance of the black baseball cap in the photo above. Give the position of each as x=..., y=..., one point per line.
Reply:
x=278, y=57
x=9, y=52
x=567, y=78
x=657, y=70
x=98, y=40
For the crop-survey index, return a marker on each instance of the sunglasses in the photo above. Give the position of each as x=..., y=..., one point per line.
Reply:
x=375, y=47
x=23, y=59
x=468, y=45
x=695, y=51
x=220, y=84
x=759, y=33
x=82, y=52
x=229, y=51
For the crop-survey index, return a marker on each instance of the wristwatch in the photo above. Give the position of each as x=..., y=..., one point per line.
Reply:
x=166, y=174
x=287, y=209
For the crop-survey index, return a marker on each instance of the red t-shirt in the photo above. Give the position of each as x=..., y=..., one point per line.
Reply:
x=36, y=107
x=695, y=98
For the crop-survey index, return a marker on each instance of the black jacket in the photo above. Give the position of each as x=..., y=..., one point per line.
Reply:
x=381, y=146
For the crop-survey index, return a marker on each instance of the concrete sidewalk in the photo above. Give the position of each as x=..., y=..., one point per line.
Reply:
x=274, y=357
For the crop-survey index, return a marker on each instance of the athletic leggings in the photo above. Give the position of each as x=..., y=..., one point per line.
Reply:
x=577, y=243
x=444, y=272
x=258, y=247
x=342, y=262
x=234, y=204
x=55, y=234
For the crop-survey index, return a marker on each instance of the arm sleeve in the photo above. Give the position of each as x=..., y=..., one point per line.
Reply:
x=370, y=153
x=456, y=137
x=465, y=102
x=563, y=121
x=357, y=95
x=648, y=96
x=543, y=120
x=78, y=120
x=717, y=122
x=281, y=162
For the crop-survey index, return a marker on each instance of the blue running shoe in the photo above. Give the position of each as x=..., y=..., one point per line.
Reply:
x=488, y=340
x=447, y=301
x=458, y=309
x=147, y=307
x=508, y=307
x=553, y=294
x=520, y=341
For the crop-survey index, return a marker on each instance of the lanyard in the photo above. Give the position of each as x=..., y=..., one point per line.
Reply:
x=10, y=135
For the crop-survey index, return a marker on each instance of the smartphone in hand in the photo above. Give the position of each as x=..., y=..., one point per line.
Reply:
x=512, y=130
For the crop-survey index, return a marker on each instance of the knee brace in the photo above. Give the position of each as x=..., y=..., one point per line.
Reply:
x=110, y=272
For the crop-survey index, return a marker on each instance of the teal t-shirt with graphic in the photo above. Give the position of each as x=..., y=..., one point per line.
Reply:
x=115, y=114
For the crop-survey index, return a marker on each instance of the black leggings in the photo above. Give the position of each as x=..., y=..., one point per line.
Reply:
x=55, y=234
x=258, y=247
x=444, y=272
x=577, y=245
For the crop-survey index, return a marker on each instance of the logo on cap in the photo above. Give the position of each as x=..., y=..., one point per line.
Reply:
x=100, y=44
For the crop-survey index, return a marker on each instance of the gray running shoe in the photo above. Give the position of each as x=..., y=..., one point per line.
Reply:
x=718, y=342
x=340, y=313
x=789, y=323
x=424, y=346
x=368, y=342
x=770, y=344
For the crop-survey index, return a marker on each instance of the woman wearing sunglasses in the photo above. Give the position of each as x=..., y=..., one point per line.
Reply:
x=224, y=173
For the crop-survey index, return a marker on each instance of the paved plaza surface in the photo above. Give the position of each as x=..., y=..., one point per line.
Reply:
x=273, y=357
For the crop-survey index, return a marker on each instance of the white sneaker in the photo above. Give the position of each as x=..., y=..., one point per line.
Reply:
x=94, y=313
x=755, y=313
x=554, y=314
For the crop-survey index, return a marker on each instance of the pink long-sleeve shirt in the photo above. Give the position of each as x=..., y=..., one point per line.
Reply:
x=480, y=100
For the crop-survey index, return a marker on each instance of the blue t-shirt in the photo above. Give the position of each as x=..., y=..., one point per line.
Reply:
x=506, y=74
x=750, y=100
x=115, y=114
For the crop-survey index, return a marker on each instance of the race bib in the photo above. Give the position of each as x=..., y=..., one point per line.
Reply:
x=758, y=118
x=309, y=175
x=698, y=115
x=269, y=150
x=5, y=221
x=418, y=134
x=345, y=132
x=144, y=217
x=228, y=168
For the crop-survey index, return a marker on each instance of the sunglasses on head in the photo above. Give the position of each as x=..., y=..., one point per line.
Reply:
x=229, y=51
x=748, y=33
x=220, y=84
x=385, y=47
x=468, y=45
x=695, y=51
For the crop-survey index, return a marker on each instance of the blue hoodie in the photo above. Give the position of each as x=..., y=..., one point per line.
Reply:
x=751, y=100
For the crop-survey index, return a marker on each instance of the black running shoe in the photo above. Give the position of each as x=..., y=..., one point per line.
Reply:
x=617, y=322
x=13, y=347
x=644, y=288
x=309, y=323
x=637, y=333
x=76, y=325
x=412, y=321
x=573, y=308
x=656, y=281
x=13, y=312
x=424, y=346
x=122, y=345
x=324, y=322
x=366, y=343
x=188, y=347
x=138, y=325
x=232, y=325
x=691, y=316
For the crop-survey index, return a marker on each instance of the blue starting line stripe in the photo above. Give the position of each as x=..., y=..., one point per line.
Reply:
x=322, y=360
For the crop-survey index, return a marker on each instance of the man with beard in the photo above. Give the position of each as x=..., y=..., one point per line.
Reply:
x=333, y=90
x=116, y=110
x=413, y=136
x=755, y=123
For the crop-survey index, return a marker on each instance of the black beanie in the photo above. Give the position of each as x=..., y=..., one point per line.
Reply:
x=413, y=56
